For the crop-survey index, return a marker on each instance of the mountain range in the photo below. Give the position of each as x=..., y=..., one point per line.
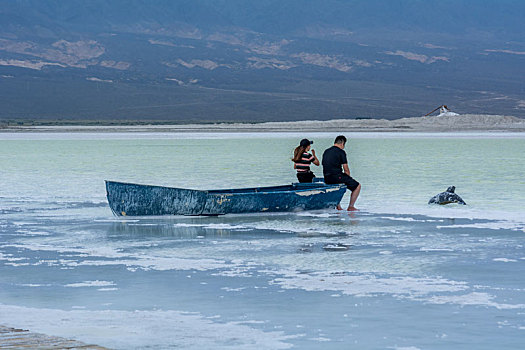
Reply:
x=233, y=60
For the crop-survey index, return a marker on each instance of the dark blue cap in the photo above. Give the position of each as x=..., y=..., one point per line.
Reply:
x=305, y=143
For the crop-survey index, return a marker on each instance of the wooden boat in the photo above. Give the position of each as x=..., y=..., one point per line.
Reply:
x=128, y=199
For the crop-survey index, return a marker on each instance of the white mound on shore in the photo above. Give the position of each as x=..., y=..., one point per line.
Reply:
x=449, y=122
x=464, y=122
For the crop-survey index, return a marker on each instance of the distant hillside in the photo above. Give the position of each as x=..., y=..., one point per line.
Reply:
x=232, y=60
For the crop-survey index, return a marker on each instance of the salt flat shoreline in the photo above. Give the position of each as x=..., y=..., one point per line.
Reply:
x=15, y=338
x=457, y=123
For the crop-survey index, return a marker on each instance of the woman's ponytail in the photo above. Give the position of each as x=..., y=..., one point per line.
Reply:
x=298, y=153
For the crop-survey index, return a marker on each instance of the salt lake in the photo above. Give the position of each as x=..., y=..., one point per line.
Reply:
x=415, y=276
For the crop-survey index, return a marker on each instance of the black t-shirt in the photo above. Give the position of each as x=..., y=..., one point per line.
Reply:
x=333, y=158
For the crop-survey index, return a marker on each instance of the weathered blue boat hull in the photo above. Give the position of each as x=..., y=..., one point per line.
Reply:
x=140, y=200
x=127, y=199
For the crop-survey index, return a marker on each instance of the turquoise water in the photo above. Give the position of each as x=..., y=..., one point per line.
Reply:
x=415, y=276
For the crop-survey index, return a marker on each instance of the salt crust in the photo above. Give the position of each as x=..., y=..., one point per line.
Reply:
x=144, y=329
x=95, y=283
x=133, y=262
x=403, y=287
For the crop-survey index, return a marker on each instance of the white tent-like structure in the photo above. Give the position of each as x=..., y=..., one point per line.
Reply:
x=443, y=112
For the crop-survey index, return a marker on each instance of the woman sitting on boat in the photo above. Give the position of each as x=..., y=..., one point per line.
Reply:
x=302, y=160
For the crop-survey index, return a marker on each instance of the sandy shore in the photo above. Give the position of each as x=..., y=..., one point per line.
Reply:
x=465, y=122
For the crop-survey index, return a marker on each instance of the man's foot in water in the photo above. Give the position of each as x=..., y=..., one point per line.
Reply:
x=352, y=209
x=338, y=207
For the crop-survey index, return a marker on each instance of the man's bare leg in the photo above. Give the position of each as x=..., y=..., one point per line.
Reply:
x=339, y=207
x=353, y=198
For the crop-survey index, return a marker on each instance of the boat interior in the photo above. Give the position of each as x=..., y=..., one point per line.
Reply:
x=284, y=188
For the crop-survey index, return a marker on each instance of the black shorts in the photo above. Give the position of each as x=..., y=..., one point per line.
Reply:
x=307, y=176
x=349, y=181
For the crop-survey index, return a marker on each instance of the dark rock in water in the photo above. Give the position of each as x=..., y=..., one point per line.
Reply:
x=447, y=197
x=334, y=247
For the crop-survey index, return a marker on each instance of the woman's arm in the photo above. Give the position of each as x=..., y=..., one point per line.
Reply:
x=315, y=161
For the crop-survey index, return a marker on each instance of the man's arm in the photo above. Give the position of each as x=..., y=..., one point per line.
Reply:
x=346, y=169
x=344, y=163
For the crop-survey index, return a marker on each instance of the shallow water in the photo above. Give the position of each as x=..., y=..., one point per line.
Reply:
x=414, y=277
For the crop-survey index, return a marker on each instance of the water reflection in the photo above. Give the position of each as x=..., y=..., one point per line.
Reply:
x=307, y=224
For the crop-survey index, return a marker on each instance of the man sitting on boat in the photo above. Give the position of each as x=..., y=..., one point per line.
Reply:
x=302, y=160
x=333, y=159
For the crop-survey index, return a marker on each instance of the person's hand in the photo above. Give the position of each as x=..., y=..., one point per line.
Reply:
x=313, y=152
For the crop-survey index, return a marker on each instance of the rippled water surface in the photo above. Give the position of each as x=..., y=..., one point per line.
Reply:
x=414, y=276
